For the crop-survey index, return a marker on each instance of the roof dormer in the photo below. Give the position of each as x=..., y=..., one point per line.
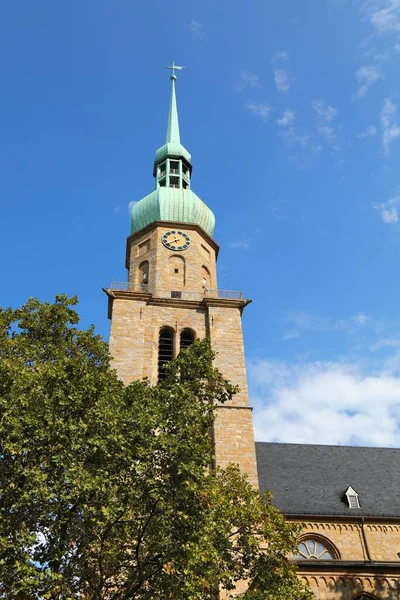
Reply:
x=352, y=497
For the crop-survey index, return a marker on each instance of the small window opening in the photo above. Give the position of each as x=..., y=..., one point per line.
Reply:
x=144, y=272
x=165, y=350
x=352, y=498
x=176, y=294
x=184, y=185
x=174, y=167
x=187, y=338
x=174, y=182
x=353, y=502
x=162, y=183
x=163, y=170
x=176, y=270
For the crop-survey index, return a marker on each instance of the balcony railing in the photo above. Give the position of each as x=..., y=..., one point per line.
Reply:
x=126, y=286
x=226, y=294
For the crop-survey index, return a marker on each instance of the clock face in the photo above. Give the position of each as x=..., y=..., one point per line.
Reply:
x=176, y=240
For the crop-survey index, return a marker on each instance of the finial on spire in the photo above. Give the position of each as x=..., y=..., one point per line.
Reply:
x=174, y=68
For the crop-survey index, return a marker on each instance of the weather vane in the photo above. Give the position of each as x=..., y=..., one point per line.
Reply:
x=174, y=68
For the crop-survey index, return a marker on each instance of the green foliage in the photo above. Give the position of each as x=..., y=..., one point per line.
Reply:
x=107, y=492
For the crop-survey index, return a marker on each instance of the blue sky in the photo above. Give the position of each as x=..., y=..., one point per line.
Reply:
x=291, y=111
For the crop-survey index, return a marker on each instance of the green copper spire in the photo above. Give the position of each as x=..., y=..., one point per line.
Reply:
x=173, y=121
x=172, y=200
x=173, y=146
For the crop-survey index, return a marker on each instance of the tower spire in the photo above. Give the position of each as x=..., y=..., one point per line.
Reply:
x=173, y=135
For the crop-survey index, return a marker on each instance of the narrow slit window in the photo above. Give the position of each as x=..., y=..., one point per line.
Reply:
x=165, y=350
x=144, y=273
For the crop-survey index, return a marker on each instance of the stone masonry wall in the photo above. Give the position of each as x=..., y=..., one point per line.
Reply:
x=382, y=541
x=162, y=278
x=233, y=430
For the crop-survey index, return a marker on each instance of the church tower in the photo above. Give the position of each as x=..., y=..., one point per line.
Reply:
x=172, y=296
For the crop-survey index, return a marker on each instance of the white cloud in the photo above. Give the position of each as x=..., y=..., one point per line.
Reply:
x=306, y=322
x=240, y=244
x=366, y=76
x=390, y=130
x=325, y=402
x=283, y=80
x=327, y=132
x=261, y=110
x=326, y=112
x=385, y=15
x=278, y=209
x=248, y=79
x=361, y=318
x=389, y=211
x=197, y=29
x=131, y=205
x=290, y=335
x=287, y=118
x=306, y=149
x=370, y=131
x=325, y=115
x=282, y=77
x=282, y=56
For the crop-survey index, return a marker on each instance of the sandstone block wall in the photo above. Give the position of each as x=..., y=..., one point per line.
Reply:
x=369, y=543
x=134, y=337
x=193, y=264
x=345, y=586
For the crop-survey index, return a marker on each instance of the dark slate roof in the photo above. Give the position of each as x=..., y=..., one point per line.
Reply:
x=311, y=480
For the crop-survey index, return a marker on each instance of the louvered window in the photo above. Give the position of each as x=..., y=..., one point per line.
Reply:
x=165, y=350
x=353, y=502
x=187, y=338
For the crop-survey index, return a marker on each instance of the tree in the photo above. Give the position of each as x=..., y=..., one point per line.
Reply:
x=107, y=492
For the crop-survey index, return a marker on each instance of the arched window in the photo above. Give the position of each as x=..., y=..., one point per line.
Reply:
x=206, y=278
x=315, y=548
x=177, y=271
x=364, y=596
x=144, y=272
x=165, y=350
x=187, y=338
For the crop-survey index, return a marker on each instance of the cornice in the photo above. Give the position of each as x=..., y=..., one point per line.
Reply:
x=347, y=566
x=148, y=298
x=350, y=519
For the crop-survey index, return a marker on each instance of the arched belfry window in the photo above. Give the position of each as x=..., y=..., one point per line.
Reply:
x=315, y=547
x=144, y=272
x=165, y=350
x=187, y=338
